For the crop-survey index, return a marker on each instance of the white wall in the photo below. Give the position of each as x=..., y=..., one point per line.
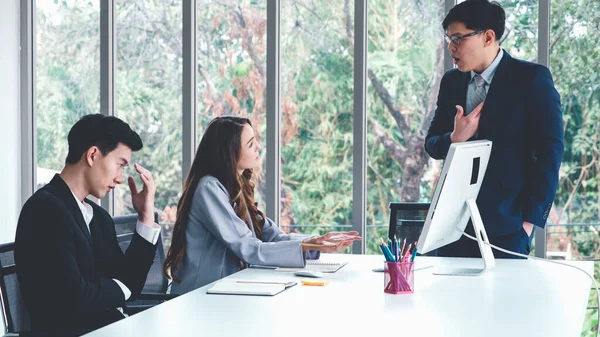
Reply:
x=10, y=126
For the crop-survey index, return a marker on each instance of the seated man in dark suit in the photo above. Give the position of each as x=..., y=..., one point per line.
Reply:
x=515, y=105
x=74, y=278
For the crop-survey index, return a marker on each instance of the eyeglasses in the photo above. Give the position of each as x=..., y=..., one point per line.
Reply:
x=457, y=39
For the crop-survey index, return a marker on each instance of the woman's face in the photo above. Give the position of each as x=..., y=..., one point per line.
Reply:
x=249, y=152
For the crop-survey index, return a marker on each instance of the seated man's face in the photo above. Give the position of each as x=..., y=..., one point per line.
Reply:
x=106, y=172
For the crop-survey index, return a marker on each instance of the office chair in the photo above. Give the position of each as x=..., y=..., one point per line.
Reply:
x=14, y=314
x=407, y=220
x=155, y=288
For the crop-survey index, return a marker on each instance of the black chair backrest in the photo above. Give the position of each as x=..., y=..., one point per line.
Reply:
x=16, y=318
x=407, y=220
x=156, y=282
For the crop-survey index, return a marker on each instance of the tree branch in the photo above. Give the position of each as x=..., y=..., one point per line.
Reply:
x=348, y=24
x=210, y=87
x=582, y=175
x=248, y=44
x=435, y=87
x=391, y=145
x=175, y=46
x=326, y=26
x=389, y=103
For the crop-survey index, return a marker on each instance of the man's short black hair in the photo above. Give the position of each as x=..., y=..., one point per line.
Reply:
x=104, y=132
x=478, y=14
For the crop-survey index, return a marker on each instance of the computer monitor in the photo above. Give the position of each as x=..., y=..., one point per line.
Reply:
x=407, y=220
x=453, y=203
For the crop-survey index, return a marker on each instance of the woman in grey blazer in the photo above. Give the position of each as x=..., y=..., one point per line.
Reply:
x=219, y=229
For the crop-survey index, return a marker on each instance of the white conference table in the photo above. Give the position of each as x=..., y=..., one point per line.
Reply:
x=517, y=298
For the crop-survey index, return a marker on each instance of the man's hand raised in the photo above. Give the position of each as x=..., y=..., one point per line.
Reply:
x=143, y=201
x=465, y=126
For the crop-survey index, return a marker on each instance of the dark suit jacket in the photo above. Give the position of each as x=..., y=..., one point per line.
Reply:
x=65, y=275
x=523, y=119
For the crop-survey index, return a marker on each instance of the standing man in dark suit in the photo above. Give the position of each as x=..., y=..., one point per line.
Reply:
x=74, y=278
x=490, y=95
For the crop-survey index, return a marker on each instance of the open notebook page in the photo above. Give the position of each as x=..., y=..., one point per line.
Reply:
x=317, y=265
x=236, y=287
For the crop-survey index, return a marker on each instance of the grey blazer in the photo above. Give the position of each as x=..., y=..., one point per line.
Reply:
x=218, y=242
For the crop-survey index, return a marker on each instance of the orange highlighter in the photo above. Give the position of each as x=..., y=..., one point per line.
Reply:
x=315, y=282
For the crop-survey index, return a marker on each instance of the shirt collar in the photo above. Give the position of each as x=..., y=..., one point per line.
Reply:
x=488, y=73
x=86, y=210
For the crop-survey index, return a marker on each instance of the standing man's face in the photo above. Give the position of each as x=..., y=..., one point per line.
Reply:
x=469, y=54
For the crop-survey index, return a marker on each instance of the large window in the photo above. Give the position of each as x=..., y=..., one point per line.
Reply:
x=316, y=115
x=575, y=65
x=521, y=35
x=148, y=94
x=68, y=76
x=232, y=66
x=405, y=66
x=574, y=56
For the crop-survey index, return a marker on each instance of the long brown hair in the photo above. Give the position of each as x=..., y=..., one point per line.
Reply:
x=217, y=155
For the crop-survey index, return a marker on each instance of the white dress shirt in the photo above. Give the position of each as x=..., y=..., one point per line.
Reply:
x=149, y=233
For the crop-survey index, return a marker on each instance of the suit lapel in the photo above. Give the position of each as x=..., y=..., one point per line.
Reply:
x=492, y=113
x=58, y=187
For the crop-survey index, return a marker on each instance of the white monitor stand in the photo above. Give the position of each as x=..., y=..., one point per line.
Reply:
x=486, y=251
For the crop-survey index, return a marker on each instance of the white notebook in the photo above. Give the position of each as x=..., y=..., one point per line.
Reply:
x=317, y=265
x=258, y=288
